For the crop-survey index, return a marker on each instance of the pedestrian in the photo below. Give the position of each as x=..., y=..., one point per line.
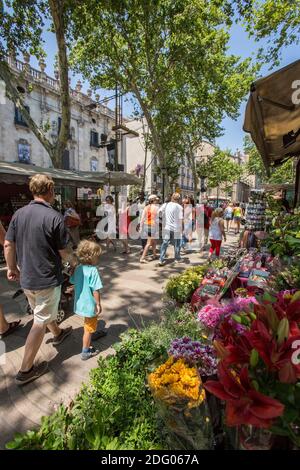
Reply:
x=87, y=301
x=237, y=215
x=141, y=204
x=124, y=222
x=37, y=237
x=208, y=210
x=72, y=221
x=188, y=222
x=6, y=328
x=216, y=232
x=149, y=226
x=110, y=213
x=172, y=228
x=228, y=216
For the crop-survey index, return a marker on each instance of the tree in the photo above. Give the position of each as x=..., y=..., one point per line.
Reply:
x=21, y=27
x=220, y=170
x=276, y=20
x=171, y=55
x=285, y=173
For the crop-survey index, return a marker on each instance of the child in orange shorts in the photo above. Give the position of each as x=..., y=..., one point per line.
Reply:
x=87, y=302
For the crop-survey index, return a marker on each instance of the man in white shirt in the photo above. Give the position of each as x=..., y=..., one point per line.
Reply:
x=172, y=213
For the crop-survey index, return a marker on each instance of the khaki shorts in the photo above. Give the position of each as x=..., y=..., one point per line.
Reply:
x=44, y=304
x=90, y=324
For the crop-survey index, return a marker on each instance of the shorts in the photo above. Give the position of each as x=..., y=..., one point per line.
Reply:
x=90, y=324
x=44, y=304
x=237, y=218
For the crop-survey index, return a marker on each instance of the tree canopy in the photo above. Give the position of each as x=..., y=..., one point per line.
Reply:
x=219, y=169
x=172, y=55
x=276, y=20
x=285, y=173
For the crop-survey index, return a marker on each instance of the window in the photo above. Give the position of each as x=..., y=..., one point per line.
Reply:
x=19, y=120
x=23, y=152
x=94, y=141
x=94, y=164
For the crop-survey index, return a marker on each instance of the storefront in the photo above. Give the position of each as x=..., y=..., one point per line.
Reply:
x=83, y=189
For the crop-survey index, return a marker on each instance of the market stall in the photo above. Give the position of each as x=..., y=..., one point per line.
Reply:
x=81, y=188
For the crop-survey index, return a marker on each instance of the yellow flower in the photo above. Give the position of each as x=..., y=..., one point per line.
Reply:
x=176, y=381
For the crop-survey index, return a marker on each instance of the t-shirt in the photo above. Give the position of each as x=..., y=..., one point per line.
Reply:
x=86, y=279
x=237, y=212
x=215, y=232
x=172, y=215
x=39, y=233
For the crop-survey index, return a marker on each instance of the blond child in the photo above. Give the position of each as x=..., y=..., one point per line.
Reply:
x=87, y=302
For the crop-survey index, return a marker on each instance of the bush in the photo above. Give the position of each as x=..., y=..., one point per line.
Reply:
x=182, y=287
x=115, y=410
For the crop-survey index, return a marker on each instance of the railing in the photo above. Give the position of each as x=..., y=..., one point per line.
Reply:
x=38, y=76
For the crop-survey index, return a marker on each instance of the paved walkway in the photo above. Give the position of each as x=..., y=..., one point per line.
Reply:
x=131, y=297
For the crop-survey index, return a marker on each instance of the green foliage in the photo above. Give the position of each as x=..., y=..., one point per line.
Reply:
x=219, y=169
x=276, y=20
x=285, y=173
x=172, y=55
x=115, y=410
x=284, y=236
x=182, y=286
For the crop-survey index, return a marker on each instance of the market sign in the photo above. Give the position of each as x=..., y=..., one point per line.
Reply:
x=273, y=115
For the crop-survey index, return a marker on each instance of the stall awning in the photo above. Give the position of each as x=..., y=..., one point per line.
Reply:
x=273, y=116
x=19, y=173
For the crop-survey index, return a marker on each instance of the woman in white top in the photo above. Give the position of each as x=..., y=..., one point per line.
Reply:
x=216, y=232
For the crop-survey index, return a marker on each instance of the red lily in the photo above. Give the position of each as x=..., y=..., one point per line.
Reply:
x=278, y=358
x=244, y=405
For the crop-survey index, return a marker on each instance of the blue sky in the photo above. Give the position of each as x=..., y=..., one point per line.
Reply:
x=239, y=44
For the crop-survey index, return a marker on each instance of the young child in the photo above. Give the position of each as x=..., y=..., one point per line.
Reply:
x=87, y=302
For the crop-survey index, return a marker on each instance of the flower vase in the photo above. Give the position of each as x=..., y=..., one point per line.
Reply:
x=253, y=438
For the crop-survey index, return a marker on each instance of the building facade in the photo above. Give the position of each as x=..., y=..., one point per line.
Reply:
x=90, y=127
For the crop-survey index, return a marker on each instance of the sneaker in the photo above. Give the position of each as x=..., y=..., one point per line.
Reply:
x=161, y=263
x=177, y=261
x=91, y=353
x=64, y=333
x=143, y=261
x=23, y=378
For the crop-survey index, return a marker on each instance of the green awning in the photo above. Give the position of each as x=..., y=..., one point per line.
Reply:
x=19, y=173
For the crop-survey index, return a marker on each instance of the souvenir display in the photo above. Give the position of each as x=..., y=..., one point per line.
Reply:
x=255, y=213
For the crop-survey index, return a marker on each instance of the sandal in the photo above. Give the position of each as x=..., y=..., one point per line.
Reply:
x=11, y=328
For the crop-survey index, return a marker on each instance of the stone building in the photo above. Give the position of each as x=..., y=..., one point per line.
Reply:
x=90, y=127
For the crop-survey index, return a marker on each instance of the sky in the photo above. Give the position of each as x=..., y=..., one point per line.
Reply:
x=239, y=44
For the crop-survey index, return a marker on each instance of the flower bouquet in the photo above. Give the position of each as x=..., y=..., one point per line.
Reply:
x=259, y=368
x=180, y=398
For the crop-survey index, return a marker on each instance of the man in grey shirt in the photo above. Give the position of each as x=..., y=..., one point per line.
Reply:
x=35, y=243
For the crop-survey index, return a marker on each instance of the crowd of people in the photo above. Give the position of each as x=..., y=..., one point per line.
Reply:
x=39, y=238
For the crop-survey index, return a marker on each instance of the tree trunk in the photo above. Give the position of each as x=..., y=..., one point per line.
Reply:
x=11, y=89
x=192, y=161
x=155, y=137
x=57, y=12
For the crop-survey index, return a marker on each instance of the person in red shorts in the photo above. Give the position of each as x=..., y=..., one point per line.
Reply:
x=216, y=232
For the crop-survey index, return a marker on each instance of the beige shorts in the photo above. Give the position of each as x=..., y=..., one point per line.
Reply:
x=44, y=304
